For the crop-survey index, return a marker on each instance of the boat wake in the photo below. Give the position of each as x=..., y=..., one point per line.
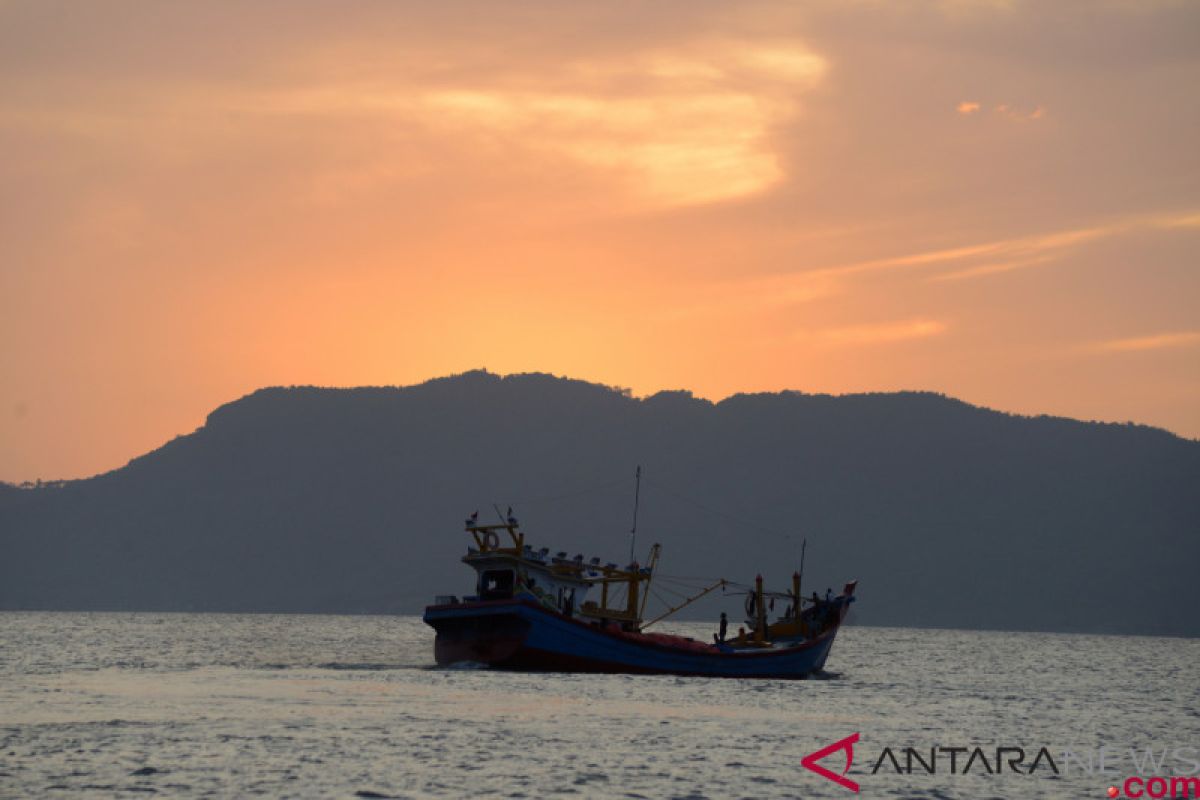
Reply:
x=336, y=665
x=464, y=666
x=363, y=667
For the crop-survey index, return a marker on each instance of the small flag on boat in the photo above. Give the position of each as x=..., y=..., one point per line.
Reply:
x=471, y=520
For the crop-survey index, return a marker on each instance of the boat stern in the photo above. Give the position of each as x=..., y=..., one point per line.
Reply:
x=487, y=632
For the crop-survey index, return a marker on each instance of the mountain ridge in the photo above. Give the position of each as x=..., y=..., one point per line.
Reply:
x=346, y=500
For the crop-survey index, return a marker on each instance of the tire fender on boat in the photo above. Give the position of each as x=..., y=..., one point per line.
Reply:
x=490, y=540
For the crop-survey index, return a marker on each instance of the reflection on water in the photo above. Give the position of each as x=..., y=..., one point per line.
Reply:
x=237, y=705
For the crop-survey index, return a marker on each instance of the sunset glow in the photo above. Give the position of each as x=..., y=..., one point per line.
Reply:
x=999, y=201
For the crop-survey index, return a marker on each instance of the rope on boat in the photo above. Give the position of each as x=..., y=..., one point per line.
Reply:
x=668, y=590
x=696, y=583
x=690, y=583
x=686, y=581
x=682, y=585
x=659, y=597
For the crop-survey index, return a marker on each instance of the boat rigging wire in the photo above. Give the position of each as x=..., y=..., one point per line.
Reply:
x=660, y=598
x=671, y=591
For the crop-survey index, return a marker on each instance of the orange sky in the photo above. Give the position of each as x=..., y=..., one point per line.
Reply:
x=994, y=200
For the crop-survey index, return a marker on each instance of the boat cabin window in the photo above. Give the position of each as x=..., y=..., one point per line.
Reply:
x=496, y=584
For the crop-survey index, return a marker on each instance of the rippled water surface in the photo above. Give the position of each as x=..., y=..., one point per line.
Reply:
x=307, y=706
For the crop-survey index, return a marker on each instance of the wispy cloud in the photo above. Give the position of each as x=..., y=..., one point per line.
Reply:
x=969, y=108
x=1015, y=253
x=1158, y=341
x=965, y=262
x=1017, y=248
x=745, y=296
x=1017, y=113
x=991, y=268
x=1188, y=220
x=877, y=333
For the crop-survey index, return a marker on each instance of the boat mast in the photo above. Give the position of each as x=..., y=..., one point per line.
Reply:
x=760, y=611
x=652, y=564
x=637, y=492
x=800, y=575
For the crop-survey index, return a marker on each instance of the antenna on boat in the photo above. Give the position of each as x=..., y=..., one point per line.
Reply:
x=637, y=492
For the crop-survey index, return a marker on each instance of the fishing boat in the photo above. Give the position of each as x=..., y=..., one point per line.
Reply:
x=535, y=612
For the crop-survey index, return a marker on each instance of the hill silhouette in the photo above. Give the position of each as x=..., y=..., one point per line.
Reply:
x=351, y=500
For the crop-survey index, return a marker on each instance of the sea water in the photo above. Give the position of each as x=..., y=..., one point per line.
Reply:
x=216, y=705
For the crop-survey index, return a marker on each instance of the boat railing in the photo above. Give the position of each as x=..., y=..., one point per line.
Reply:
x=487, y=538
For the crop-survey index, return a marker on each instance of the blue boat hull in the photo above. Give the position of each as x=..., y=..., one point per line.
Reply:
x=521, y=634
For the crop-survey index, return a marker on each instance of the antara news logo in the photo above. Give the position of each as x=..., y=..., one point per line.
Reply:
x=1157, y=771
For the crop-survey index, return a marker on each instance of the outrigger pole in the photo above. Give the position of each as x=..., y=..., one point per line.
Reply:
x=719, y=584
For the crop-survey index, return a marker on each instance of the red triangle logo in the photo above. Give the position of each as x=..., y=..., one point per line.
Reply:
x=847, y=744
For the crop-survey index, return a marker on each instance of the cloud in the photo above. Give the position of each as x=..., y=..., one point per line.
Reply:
x=1020, y=114
x=672, y=123
x=684, y=127
x=745, y=297
x=1186, y=220
x=878, y=333
x=677, y=125
x=968, y=107
x=671, y=149
x=1153, y=342
x=1025, y=246
x=655, y=174
x=748, y=294
x=1018, y=252
x=991, y=268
